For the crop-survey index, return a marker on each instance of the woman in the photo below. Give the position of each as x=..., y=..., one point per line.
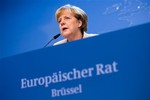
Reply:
x=72, y=23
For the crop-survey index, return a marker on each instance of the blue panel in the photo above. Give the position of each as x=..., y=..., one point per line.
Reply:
x=112, y=66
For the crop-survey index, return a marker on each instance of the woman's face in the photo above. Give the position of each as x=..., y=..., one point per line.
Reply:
x=68, y=24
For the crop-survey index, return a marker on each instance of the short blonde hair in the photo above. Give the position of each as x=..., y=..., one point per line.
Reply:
x=77, y=12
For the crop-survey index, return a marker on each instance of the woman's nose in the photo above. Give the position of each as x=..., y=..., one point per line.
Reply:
x=62, y=22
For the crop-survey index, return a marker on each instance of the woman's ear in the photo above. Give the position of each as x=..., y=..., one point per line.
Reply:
x=80, y=23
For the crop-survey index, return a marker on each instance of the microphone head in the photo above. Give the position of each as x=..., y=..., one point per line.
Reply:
x=56, y=36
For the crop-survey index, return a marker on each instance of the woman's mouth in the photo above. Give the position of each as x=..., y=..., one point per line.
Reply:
x=65, y=28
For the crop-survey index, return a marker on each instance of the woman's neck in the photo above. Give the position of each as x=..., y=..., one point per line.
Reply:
x=75, y=36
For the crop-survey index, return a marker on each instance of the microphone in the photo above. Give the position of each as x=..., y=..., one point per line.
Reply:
x=55, y=37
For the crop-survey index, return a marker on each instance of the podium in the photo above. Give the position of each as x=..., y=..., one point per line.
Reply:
x=111, y=66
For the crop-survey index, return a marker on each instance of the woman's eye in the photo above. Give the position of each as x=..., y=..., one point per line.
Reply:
x=59, y=21
x=67, y=17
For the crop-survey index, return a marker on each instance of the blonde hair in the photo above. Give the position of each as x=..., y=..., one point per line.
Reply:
x=77, y=12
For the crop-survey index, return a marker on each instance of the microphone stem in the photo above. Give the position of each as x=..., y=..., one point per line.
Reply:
x=48, y=42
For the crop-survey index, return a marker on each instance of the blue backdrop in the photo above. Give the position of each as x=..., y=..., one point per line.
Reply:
x=29, y=24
